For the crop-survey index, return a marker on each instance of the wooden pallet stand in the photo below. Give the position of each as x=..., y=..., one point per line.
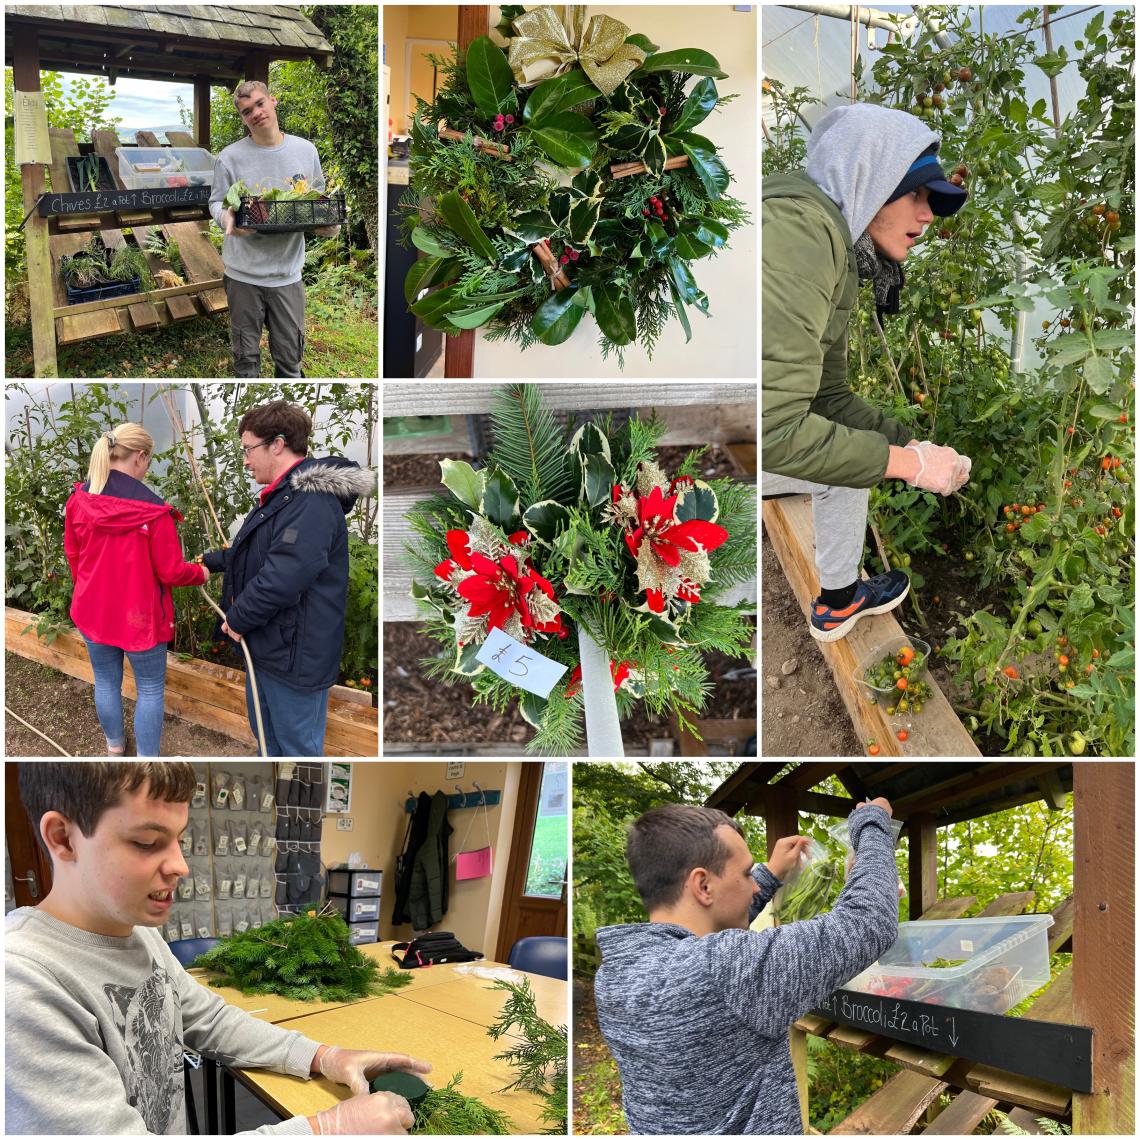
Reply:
x=200, y=692
x=936, y=731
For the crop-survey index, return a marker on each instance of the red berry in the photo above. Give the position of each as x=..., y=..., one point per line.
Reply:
x=564, y=259
x=645, y=212
x=573, y=255
x=661, y=110
x=510, y=118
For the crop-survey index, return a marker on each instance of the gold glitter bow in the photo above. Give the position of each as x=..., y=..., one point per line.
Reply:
x=551, y=40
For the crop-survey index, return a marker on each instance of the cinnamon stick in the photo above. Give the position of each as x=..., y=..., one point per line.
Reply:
x=623, y=169
x=551, y=264
x=499, y=150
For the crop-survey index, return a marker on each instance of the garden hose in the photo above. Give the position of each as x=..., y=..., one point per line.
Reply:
x=249, y=666
x=31, y=728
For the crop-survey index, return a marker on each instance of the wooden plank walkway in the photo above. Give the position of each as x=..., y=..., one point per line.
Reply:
x=198, y=691
x=936, y=731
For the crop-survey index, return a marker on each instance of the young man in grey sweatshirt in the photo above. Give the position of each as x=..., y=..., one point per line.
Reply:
x=694, y=1006
x=263, y=271
x=97, y=1008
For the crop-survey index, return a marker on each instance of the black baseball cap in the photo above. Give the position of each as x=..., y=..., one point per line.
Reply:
x=945, y=198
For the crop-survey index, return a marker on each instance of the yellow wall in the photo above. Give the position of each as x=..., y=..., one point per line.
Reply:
x=413, y=21
x=379, y=789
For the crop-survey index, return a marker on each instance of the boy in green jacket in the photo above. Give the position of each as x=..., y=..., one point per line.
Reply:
x=872, y=172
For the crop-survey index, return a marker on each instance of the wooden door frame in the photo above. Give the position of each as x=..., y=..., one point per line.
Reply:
x=526, y=813
x=24, y=850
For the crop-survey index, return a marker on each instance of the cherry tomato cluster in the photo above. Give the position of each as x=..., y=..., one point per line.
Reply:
x=900, y=674
x=1018, y=513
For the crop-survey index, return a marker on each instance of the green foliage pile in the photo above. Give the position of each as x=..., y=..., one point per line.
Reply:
x=538, y=1053
x=302, y=957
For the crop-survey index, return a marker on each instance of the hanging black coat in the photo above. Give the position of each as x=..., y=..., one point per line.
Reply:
x=413, y=840
x=427, y=898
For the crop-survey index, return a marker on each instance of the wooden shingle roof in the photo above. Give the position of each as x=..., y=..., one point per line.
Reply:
x=166, y=41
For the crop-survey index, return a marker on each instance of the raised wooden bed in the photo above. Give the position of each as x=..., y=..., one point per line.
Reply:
x=936, y=731
x=197, y=691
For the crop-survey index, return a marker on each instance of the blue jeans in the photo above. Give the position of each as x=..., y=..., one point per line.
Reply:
x=293, y=719
x=149, y=668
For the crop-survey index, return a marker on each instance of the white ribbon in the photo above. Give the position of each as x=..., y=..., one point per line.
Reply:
x=603, y=730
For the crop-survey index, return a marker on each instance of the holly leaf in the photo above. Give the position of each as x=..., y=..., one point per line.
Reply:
x=463, y=481
x=489, y=78
x=597, y=479
x=500, y=502
x=544, y=520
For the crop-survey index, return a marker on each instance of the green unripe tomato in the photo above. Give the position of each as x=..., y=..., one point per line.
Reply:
x=1077, y=744
x=928, y=100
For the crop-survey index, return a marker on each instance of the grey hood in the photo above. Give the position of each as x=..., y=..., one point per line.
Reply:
x=858, y=154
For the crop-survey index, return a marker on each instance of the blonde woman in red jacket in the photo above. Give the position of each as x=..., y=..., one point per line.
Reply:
x=124, y=554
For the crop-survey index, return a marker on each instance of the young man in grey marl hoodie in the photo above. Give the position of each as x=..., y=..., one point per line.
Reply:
x=694, y=1006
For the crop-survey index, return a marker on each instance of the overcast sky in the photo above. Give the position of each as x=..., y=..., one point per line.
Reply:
x=143, y=103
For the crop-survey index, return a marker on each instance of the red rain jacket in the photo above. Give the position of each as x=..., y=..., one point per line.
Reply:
x=124, y=556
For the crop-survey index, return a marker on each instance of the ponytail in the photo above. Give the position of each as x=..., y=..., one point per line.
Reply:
x=118, y=443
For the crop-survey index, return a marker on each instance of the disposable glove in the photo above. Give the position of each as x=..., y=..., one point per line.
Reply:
x=940, y=469
x=374, y=1114
x=354, y=1067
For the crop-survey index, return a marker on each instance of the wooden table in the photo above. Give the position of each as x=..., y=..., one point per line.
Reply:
x=441, y=1016
x=452, y=1044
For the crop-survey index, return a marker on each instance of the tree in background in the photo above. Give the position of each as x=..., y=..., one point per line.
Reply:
x=351, y=92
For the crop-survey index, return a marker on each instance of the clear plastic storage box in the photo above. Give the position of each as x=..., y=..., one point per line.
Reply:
x=997, y=962
x=155, y=167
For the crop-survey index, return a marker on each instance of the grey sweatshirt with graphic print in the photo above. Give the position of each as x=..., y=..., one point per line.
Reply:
x=270, y=260
x=95, y=1028
x=699, y=1025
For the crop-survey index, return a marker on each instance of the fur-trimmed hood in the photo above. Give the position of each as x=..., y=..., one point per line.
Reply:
x=333, y=475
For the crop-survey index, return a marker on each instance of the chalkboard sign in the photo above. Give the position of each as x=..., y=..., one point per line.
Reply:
x=166, y=197
x=1045, y=1050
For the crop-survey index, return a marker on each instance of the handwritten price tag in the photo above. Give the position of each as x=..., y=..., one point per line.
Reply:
x=520, y=664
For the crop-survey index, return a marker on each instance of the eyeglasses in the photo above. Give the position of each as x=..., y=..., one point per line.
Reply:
x=264, y=443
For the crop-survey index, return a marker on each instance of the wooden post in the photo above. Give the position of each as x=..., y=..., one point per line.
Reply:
x=41, y=299
x=459, y=351
x=1104, y=986
x=922, y=864
x=202, y=112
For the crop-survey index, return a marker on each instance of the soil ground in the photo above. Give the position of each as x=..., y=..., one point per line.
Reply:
x=802, y=713
x=63, y=708
x=597, y=1086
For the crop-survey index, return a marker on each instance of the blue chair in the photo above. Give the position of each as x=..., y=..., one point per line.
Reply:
x=540, y=954
x=186, y=950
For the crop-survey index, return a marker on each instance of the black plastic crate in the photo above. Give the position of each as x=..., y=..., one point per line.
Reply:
x=78, y=295
x=291, y=215
x=106, y=180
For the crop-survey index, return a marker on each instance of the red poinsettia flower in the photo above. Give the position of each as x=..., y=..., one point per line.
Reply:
x=460, y=546
x=667, y=537
x=499, y=590
x=620, y=672
x=574, y=682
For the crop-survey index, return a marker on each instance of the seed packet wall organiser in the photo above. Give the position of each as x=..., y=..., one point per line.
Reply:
x=300, y=805
x=229, y=847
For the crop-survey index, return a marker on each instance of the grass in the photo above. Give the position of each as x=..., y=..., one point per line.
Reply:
x=547, y=856
x=340, y=341
x=597, y=1093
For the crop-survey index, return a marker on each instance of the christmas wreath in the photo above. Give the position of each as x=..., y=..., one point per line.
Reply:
x=562, y=174
x=559, y=535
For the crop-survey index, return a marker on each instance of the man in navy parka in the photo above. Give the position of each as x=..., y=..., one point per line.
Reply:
x=286, y=575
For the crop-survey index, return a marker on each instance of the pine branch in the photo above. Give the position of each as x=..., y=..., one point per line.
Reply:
x=529, y=445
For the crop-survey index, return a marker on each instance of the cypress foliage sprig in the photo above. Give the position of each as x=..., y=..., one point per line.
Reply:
x=448, y=1112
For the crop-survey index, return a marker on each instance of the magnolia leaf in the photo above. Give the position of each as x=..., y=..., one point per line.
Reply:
x=461, y=218
x=614, y=313
x=489, y=78
x=679, y=309
x=642, y=41
x=546, y=519
x=706, y=230
x=500, y=502
x=705, y=163
x=569, y=139
x=590, y=440
x=698, y=106
x=474, y=318
x=685, y=61
x=557, y=317
x=433, y=308
x=463, y=481
x=423, y=238
x=688, y=247
x=597, y=479
x=558, y=94
x=426, y=272
x=687, y=285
